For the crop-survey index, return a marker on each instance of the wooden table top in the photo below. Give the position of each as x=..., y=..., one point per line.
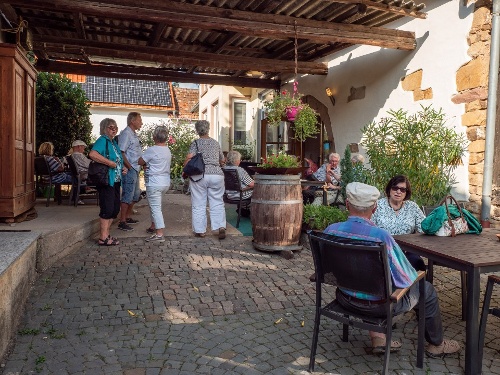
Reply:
x=471, y=249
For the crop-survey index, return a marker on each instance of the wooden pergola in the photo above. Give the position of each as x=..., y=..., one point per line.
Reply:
x=249, y=43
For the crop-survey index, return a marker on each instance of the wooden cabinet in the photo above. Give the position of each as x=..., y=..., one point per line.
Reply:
x=17, y=131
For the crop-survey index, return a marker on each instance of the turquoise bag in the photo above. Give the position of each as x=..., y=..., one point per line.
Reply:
x=435, y=220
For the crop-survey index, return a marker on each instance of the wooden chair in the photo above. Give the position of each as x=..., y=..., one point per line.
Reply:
x=77, y=182
x=492, y=280
x=358, y=266
x=43, y=178
x=232, y=182
x=430, y=267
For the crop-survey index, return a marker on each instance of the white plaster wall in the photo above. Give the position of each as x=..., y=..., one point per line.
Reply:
x=120, y=116
x=441, y=50
x=225, y=95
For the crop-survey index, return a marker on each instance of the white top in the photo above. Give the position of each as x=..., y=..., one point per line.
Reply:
x=404, y=221
x=158, y=159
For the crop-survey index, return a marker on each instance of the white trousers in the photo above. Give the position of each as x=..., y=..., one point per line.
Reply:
x=210, y=187
x=155, y=194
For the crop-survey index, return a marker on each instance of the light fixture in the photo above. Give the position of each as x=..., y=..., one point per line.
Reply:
x=329, y=93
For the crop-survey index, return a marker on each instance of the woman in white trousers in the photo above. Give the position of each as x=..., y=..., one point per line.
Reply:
x=208, y=186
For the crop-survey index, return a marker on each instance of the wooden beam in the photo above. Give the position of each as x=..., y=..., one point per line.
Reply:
x=383, y=7
x=157, y=34
x=78, y=23
x=169, y=56
x=153, y=74
x=247, y=23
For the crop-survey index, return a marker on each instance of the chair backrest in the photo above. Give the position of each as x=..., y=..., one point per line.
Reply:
x=355, y=265
x=231, y=179
x=41, y=166
x=72, y=166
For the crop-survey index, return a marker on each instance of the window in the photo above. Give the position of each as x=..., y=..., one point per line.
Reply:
x=240, y=122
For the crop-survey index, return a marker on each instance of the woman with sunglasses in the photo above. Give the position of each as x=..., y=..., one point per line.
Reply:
x=397, y=214
x=107, y=152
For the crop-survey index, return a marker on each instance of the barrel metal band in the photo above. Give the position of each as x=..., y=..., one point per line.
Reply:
x=277, y=202
x=274, y=182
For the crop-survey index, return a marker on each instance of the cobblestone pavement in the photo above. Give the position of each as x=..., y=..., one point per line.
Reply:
x=204, y=306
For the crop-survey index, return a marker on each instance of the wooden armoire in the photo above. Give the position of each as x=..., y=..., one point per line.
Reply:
x=17, y=131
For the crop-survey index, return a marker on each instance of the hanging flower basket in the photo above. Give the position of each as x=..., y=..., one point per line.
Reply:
x=289, y=106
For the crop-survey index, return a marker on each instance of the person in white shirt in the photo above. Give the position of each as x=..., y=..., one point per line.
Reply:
x=81, y=161
x=156, y=160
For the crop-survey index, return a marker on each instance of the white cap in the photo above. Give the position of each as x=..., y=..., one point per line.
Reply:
x=79, y=143
x=362, y=195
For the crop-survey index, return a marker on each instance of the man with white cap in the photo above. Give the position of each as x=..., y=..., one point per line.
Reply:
x=361, y=203
x=81, y=161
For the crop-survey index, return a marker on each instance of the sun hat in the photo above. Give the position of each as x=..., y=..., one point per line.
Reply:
x=362, y=195
x=79, y=143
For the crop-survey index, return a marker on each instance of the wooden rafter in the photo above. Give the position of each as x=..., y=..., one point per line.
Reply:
x=383, y=7
x=119, y=71
x=243, y=22
x=167, y=56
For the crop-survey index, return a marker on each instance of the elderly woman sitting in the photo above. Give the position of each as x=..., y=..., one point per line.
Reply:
x=233, y=160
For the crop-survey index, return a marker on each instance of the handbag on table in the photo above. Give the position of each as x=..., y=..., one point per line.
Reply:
x=449, y=220
x=195, y=166
x=98, y=173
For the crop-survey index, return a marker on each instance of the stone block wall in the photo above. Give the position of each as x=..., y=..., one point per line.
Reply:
x=472, y=90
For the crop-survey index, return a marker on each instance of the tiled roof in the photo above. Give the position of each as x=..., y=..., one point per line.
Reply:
x=128, y=91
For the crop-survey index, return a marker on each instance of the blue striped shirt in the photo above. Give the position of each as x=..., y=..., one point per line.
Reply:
x=402, y=272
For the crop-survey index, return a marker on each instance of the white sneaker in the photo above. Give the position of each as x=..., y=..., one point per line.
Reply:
x=155, y=238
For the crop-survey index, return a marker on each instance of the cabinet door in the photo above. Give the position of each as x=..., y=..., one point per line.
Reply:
x=19, y=162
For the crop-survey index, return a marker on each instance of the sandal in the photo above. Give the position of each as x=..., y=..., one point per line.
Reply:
x=109, y=241
x=378, y=345
x=440, y=351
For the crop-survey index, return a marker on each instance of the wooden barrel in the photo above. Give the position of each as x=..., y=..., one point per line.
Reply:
x=276, y=212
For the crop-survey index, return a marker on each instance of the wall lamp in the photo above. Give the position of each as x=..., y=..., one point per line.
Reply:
x=329, y=93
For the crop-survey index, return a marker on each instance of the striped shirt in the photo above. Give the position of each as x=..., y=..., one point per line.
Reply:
x=402, y=272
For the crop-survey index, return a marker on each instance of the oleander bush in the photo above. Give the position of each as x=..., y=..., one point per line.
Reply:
x=420, y=146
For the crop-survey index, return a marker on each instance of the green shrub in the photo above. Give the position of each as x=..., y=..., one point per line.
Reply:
x=319, y=217
x=419, y=146
x=181, y=135
x=350, y=172
x=62, y=112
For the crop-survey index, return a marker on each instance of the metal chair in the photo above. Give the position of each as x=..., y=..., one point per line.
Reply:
x=43, y=178
x=77, y=182
x=232, y=183
x=492, y=280
x=463, y=275
x=358, y=266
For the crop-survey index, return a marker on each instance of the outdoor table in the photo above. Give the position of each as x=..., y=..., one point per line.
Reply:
x=472, y=253
x=319, y=184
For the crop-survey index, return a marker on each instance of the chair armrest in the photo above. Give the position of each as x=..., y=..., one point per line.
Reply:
x=399, y=293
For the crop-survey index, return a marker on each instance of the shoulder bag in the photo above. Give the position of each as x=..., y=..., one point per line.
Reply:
x=195, y=166
x=98, y=174
x=452, y=226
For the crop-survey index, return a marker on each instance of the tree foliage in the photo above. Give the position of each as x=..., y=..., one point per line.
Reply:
x=419, y=146
x=181, y=135
x=62, y=112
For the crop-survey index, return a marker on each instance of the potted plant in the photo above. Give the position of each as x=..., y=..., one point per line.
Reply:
x=280, y=163
x=289, y=107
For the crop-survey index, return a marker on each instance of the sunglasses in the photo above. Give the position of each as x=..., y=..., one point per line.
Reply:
x=113, y=127
x=401, y=189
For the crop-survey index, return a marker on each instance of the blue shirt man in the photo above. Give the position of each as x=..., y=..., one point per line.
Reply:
x=361, y=203
x=131, y=150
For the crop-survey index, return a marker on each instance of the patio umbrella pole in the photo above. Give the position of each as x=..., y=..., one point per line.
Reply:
x=489, y=148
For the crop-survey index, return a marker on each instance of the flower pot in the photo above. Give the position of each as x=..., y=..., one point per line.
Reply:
x=276, y=171
x=291, y=113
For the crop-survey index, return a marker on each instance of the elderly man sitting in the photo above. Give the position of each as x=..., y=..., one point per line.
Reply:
x=329, y=173
x=82, y=163
x=361, y=203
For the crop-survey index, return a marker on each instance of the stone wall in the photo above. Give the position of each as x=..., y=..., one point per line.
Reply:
x=472, y=89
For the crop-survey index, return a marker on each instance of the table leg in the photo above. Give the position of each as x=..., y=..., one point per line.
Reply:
x=472, y=367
